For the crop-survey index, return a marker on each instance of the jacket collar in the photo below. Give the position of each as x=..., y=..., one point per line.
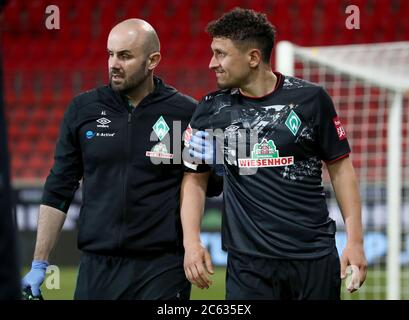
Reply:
x=161, y=92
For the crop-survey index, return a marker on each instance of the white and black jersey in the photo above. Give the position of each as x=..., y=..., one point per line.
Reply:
x=273, y=194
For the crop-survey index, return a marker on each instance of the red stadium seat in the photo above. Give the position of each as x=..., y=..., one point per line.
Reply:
x=18, y=164
x=36, y=15
x=39, y=117
x=10, y=96
x=13, y=17
x=45, y=147
x=20, y=117
x=51, y=133
x=14, y=134
x=23, y=148
x=32, y=132
x=31, y=171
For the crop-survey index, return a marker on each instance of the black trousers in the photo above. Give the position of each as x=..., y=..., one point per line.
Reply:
x=149, y=278
x=250, y=277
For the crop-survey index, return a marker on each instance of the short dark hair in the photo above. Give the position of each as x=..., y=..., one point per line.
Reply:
x=244, y=26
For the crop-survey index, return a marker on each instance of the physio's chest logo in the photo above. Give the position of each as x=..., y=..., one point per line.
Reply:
x=293, y=122
x=161, y=128
x=89, y=134
x=265, y=154
x=103, y=123
x=159, y=151
x=340, y=129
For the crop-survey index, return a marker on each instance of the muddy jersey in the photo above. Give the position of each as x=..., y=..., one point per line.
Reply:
x=272, y=149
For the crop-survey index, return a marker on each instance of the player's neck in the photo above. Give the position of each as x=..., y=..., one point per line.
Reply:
x=259, y=84
x=141, y=91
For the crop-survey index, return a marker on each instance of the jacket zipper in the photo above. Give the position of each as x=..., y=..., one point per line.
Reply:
x=124, y=191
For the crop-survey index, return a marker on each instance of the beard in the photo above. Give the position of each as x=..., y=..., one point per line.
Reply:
x=128, y=83
x=227, y=85
x=229, y=82
x=223, y=86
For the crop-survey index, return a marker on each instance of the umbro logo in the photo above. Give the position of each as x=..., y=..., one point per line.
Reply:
x=103, y=122
x=232, y=128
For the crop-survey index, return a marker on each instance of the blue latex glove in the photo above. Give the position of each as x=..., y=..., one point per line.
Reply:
x=200, y=147
x=35, y=277
x=204, y=148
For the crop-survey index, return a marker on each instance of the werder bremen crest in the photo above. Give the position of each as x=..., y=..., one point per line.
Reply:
x=293, y=122
x=161, y=128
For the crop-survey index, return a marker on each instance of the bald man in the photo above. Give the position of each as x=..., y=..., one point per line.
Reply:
x=124, y=141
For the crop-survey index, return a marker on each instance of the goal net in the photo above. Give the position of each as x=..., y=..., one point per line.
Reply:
x=369, y=85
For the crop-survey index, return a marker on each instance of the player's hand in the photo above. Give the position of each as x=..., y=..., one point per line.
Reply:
x=35, y=277
x=353, y=261
x=198, y=265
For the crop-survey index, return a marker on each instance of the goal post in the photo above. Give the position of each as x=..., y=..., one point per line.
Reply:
x=369, y=84
x=394, y=195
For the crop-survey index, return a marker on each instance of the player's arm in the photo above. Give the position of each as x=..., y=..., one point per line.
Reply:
x=60, y=186
x=197, y=262
x=346, y=189
x=50, y=222
x=59, y=189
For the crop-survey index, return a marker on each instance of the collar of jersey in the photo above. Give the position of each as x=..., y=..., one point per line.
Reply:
x=276, y=88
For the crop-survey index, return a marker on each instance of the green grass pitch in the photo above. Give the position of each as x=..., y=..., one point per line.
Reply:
x=68, y=277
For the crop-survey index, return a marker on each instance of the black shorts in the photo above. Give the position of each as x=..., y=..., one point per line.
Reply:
x=250, y=277
x=149, y=278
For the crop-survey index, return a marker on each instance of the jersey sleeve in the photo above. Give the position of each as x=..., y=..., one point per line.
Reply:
x=332, y=140
x=64, y=177
x=198, y=122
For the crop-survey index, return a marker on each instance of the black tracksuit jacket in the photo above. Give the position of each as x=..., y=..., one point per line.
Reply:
x=130, y=205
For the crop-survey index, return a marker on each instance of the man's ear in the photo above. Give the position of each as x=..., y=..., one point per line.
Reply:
x=254, y=58
x=153, y=60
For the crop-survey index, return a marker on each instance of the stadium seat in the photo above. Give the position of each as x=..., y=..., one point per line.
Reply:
x=30, y=171
x=13, y=17
x=23, y=148
x=32, y=132
x=39, y=117
x=44, y=147
x=35, y=11
x=17, y=165
x=20, y=116
x=51, y=133
x=14, y=134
